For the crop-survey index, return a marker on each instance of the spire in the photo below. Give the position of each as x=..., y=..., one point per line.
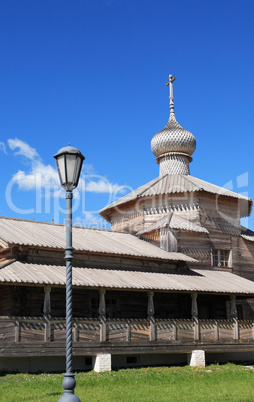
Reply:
x=173, y=145
x=169, y=84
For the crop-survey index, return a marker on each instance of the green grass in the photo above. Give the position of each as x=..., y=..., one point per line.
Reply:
x=214, y=383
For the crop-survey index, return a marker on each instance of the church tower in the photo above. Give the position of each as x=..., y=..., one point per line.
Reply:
x=181, y=213
x=173, y=145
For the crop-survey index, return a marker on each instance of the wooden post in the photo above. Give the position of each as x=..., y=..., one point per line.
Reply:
x=17, y=330
x=236, y=329
x=194, y=313
x=47, y=303
x=47, y=314
x=76, y=331
x=102, y=315
x=174, y=331
x=216, y=331
x=233, y=311
x=150, y=313
x=128, y=331
x=196, y=328
x=47, y=329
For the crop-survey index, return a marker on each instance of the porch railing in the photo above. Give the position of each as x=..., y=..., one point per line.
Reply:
x=44, y=329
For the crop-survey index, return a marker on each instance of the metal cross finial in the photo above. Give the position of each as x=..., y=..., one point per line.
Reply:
x=171, y=79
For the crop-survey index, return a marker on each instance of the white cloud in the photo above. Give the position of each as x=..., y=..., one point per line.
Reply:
x=102, y=186
x=3, y=147
x=23, y=148
x=39, y=176
x=90, y=220
x=88, y=169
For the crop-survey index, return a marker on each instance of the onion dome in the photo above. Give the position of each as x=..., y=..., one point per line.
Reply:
x=173, y=145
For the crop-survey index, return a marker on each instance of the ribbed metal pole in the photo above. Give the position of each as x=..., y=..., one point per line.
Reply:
x=69, y=382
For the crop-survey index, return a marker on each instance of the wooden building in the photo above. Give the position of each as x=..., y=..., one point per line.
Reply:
x=171, y=281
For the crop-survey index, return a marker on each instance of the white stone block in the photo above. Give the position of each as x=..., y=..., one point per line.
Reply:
x=196, y=358
x=102, y=362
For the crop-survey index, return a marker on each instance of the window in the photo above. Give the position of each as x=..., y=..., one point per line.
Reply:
x=88, y=361
x=221, y=258
x=111, y=307
x=95, y=307
x=240, y=312
x=239, y=309
x=132, y=359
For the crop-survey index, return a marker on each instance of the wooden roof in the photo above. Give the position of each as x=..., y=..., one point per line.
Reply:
x=174, y=184
x=209, y=281
x=173, y=221
x=49, y=235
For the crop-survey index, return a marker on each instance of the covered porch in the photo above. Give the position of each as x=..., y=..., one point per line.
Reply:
x=119, y=312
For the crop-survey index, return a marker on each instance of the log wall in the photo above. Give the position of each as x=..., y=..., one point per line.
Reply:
x=6, y=300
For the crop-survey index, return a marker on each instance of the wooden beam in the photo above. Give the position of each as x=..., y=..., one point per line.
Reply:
x=17, y=330
x=150, y=313
x=194, y=313
x=102, y=316
x=47, y=313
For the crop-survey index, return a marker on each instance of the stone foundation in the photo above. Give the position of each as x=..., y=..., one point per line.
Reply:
x=196, y=358
x=102, y=363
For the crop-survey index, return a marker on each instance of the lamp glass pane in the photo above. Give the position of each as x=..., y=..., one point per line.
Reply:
x=61, y=168
x=71, y=164
x=78, y=169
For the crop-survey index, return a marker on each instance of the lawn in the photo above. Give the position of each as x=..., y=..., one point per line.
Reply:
x=214, y=383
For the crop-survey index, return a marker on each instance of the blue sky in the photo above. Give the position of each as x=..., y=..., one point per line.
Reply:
x=93, y=73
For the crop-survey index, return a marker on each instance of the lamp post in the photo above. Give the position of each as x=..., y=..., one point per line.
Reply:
x=69, y=162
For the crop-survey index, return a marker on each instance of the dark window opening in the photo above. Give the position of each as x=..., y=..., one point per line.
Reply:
x=239, y=308
x=88, y=361
x=111, y=307
x=132, y=359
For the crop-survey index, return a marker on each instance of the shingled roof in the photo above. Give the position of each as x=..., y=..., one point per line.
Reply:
x=207, y=281
x=173, y=221
x=50, y=235
x=175, y=184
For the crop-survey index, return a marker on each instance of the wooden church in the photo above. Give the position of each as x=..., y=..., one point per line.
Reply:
x=171, y=282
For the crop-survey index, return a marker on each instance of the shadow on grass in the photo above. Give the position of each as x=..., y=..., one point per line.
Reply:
x=4, y=373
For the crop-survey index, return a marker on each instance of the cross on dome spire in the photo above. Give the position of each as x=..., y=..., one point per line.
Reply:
x=171, y=79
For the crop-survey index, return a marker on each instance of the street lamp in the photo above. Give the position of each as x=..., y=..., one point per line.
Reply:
x=69, y=162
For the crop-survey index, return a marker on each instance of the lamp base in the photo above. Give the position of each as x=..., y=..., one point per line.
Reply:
x=69, y=383
x=66, y=397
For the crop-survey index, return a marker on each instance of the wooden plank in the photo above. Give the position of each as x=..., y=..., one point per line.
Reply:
x=89, y=331
x=139, y=331
x=208, y=331
x=226, y=330
x=116, y=332
x=7, y=331
x=59, y=331
x=31, y=331
x=185, y=330
x=245, y=330
x=165, y=331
